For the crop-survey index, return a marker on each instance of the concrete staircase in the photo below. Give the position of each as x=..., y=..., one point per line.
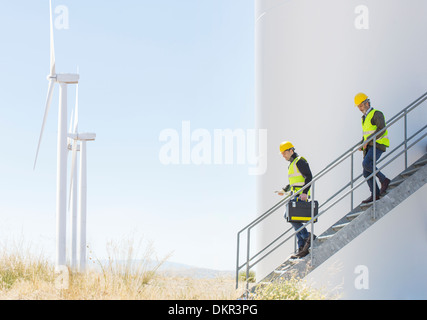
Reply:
x=354, y=223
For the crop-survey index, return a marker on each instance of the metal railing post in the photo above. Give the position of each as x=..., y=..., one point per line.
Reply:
x=295, y=243
x=247, y=261
x=312, y=224
x=237, y=260
x=351, y=183
x=374, y=176
x=406, y=138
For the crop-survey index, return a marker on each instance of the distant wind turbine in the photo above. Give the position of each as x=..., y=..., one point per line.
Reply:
x=78, y=233
x=62, y=147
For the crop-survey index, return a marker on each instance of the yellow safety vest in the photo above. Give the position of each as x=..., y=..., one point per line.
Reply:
x=369, y=128
x=296, y=179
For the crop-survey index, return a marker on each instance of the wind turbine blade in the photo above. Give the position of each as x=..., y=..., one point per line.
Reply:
x=52, y=44
x=70, y=128
x=76, y=110
x=48, y=102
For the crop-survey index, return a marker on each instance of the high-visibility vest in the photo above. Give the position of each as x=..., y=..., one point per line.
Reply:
x=369, y=128
x=296, y=179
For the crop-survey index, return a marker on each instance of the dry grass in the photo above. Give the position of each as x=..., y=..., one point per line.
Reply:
x=126, y=276
x=106, y=286
x=183, y=288
x=91, y=286
x=289, y=289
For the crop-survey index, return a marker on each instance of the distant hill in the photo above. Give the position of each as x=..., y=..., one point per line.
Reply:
x=183, y=270
x=176, y=269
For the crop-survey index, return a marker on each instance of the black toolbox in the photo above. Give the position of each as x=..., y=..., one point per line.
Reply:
x=300, y=211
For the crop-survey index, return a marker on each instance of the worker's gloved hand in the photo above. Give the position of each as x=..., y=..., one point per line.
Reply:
x=287, y=188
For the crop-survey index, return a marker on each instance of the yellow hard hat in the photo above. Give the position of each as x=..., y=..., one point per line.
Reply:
x=285, y=145
x=359, y=98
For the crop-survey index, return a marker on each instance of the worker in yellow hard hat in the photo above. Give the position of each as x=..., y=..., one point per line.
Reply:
x=359, y=98
x=299, y=174
x=373, y=121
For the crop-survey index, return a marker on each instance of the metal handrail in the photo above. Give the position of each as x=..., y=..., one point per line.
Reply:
x=348, y=153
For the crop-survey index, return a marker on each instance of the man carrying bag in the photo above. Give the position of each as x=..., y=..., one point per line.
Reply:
x=299, y=174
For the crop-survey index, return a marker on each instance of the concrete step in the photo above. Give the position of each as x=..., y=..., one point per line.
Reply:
x=353, y=215
x=325, y=237
x=282, y=271
x=396, y=182
x=421, y=162
x=340, y=226
x=409, y=172
x=365, y=206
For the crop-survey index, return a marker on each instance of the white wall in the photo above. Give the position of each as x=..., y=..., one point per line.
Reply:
x=387, y=261
x=311, y=59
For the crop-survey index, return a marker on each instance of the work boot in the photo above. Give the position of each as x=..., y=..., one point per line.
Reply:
x=308, y=242
x=302, y=253
x=370, y=199
x=296, y=255
x=384, y=186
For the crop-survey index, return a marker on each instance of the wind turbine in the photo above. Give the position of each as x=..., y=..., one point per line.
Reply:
x=78, y=233
x=61, y=181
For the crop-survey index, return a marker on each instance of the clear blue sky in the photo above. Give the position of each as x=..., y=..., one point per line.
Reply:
x=144, y=66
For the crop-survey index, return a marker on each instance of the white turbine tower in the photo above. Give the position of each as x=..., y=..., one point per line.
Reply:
x=78, y=219
x=61, y=183
x=73, y=186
